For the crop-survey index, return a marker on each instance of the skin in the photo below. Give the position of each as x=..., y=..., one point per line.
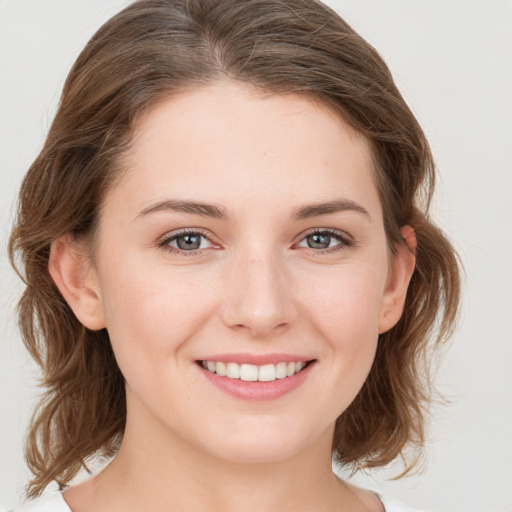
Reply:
x=255, y=286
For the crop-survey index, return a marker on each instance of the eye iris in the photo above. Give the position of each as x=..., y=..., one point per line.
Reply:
x=319, y=240
x=189, y=242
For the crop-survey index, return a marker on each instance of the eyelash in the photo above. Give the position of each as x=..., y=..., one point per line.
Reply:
x=165, y=242
x=345, y=241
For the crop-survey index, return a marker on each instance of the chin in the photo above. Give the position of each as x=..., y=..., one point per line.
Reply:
x=262, y=444
x=260, y=454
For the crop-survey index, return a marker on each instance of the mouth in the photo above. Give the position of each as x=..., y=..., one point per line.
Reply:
x=255, y=373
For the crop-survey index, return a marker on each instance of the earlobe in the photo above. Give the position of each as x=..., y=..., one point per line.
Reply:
x=400, y=274
x=72, y=272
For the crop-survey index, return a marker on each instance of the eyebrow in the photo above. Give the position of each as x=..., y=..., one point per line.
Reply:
x=328, y=208
x=219, y=212
x=176, y=205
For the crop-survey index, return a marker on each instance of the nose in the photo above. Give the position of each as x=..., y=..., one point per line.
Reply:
x=259, y=296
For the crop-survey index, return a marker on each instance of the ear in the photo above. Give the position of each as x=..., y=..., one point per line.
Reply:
x=399, y=276
x=76, y=279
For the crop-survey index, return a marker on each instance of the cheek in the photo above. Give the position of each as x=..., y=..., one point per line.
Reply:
x=150, y=314
x=347, y=302
x=345, y=315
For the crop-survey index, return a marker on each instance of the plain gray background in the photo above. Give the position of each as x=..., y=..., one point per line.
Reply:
x=452, y=61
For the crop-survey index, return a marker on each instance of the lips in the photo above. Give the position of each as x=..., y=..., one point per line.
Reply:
x=252, y=377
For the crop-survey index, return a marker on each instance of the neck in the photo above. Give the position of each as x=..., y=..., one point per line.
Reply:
x=155, y=471
x=183, y=479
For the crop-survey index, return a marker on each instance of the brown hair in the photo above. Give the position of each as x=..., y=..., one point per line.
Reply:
x=155, y=48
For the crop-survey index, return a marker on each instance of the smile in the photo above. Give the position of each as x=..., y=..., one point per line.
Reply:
x=256, y=377
x=253, y=373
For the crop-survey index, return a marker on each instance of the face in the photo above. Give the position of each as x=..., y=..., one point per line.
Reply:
x=246, y=236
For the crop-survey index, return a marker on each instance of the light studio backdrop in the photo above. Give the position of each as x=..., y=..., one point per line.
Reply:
x=452, y=60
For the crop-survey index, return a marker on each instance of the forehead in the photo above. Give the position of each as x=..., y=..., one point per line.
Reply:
x=230, y=142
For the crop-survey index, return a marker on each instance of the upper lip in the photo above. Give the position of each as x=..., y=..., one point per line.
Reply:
x=256, y=359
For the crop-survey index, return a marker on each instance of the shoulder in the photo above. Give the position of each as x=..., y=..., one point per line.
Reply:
x=52, y=502
x=392, y=505
x=387, y=504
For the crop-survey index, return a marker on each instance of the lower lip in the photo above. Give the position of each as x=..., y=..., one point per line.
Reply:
x=258, y=390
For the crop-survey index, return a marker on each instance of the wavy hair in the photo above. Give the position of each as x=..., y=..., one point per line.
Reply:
x=154, y=49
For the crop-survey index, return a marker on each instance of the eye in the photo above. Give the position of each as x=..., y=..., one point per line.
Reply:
x=325, y=239
x=186, y=241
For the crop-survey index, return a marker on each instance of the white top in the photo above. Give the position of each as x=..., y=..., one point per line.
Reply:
x=54, y=502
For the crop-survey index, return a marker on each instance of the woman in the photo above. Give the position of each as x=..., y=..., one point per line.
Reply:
x=231, y=273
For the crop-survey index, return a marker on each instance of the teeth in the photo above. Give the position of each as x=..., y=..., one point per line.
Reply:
x=220, y=369
x=267, y=373
x=252, y=373
x=248, y=372
x=233, y=371
x=280, y=370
